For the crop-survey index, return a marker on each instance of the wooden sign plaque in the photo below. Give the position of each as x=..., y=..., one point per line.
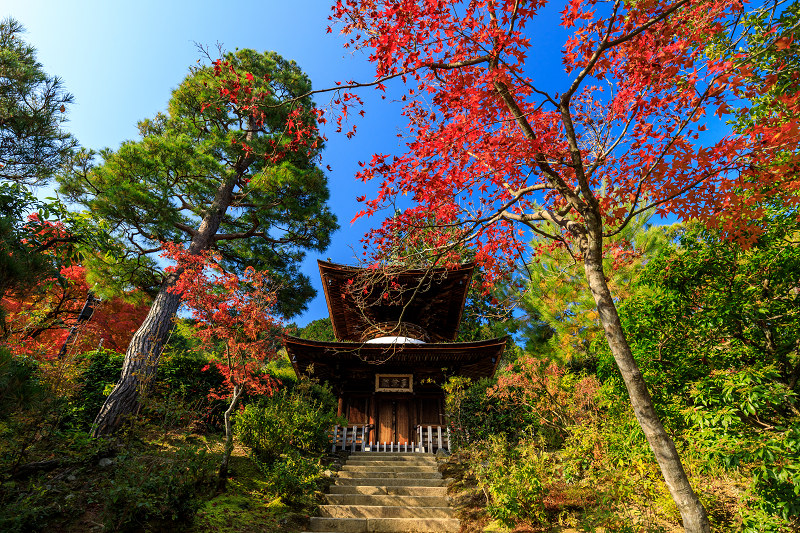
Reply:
x=394, y=382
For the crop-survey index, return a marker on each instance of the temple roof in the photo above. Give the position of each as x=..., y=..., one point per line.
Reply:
x=334, y=360
x=361, y=300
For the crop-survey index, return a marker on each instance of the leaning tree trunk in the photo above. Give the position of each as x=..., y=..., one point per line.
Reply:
x=692, y=511
x=226, y=455
x=144, y=350
x=141, y=361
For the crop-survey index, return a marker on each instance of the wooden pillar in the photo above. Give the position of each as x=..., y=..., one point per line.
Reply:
x=340, y=406
x=373, y=417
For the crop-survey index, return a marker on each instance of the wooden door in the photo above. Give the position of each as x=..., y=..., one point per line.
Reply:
x=394, y=420
x=430, y=412
x=385, y=420
x=357, y=410
x=403, y=421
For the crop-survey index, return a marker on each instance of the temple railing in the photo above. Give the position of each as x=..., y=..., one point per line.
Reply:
x=359, y=438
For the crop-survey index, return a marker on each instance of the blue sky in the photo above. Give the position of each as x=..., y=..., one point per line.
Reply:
x=121, y=60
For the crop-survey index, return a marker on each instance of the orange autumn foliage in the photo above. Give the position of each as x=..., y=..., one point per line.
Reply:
x=38, y=322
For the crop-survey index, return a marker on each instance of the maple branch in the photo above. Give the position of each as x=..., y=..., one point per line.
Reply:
x=613, y=146
x=567, y=96
x=684, y=123
x=349, y=85
x=605, y=43
x=555, y=179
x=459, y=64
x=575, y=155
x=525, y=190
x=557, y=238
x=647, y=24
x=669, y=198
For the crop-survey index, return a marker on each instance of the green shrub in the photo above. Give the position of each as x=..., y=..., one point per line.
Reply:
x=189, y=374
x=287, y=434
x=27, y=511
x=152, y=490
x=776, y=478
x=514, y=478
x=282, y=370
x=102, y=369
x=298, y=420
x=472, y=416
x=19, y=385
x=182, y=393
x=293, y=477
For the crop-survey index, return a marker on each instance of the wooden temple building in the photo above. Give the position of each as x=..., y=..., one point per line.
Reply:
x=394, y=348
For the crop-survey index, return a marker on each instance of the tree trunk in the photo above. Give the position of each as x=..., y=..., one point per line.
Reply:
x=141, y=362
x=692, y=511
x=144, y=350
x=223, y=465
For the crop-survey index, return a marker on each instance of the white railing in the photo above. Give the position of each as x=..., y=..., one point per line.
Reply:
x=359, y=438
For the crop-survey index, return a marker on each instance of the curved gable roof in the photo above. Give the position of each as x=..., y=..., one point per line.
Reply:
x=361, y=298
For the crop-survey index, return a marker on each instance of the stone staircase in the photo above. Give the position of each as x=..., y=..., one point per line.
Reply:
x=387, y=493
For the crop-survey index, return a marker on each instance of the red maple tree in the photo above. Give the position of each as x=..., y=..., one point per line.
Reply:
x=39, y=322
x=235, y=322
x=495, y=153
x=38, y=317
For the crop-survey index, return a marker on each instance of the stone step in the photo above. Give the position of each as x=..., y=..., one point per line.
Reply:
x=391, y=482
x=388, y=466
x=386, y=499
x=388, y=461
x=394, y=490
x=372, y=474
x=383, y=525
x=393, y=456
x=384, y=511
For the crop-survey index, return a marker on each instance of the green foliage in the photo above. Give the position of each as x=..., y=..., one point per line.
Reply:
x=514, y=478
x=473, y=416
x=183, y=391
x=32, y=250
x=281, y=369
x=19, y=384
x=714, y=327
x=706, y=304
x=101, y=369
x=156, y=490
x=775, y=481
x=561, y=316
x=287, y=434
x=33, y=146
x=189, y=374
x=18, y=262
x=746, y=398
x=318, y=330
x=206, y=147
x=293, y=477
x=299, y=420
x=32, y=111
x=488, y=315
x=30, y=512
x=602, y=476
x=179, y=399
